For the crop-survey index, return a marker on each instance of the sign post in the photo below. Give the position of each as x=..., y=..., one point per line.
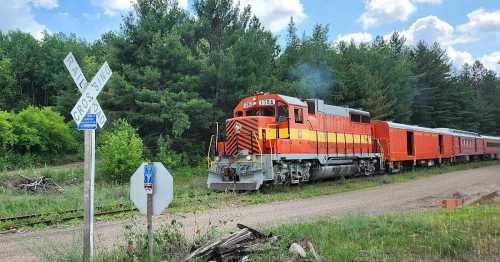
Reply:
x=88, y=193
x=148, y=186
x=151, y=190
x=87, y=113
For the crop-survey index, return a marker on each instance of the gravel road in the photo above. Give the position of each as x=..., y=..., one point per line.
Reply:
x=413, y=195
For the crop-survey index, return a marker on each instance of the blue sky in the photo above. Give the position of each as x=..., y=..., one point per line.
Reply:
x=468, y=29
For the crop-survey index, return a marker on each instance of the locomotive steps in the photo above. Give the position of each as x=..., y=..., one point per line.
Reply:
x=416, y=194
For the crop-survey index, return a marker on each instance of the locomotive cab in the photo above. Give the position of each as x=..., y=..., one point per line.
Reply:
x=243, y=160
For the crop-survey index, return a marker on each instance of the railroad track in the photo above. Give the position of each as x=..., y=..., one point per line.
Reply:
x=55, y=217
x=14, y=222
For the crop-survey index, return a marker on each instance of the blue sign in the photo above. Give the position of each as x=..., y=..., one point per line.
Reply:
x=88, y=122
x=148, y=174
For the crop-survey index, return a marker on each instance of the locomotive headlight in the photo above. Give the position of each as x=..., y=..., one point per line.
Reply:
x=249, y=158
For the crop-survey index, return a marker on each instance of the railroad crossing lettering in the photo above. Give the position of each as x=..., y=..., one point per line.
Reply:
x=88, y=102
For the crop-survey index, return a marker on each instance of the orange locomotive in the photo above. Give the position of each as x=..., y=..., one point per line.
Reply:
x=279, y=139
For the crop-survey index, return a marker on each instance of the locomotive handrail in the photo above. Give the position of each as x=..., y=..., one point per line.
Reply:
x=260, y=150
x=272, y=168
x=209, y=163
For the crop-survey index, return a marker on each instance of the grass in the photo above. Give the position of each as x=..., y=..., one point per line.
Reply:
x=463, y=234
x=169, y=243
x=191, y=193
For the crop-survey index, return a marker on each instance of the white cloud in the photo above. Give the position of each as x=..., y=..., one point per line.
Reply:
x=114, y=7
x=491, y=61
x=481, y=20
x=357, y=38
x=430, y=2
x=480, y=26
x=47, y=4
x=429, y=29
x=17, y=15
x=458, y=58
x=432, y=29
x=183, y=4
x=275, y=15
x=383, y=11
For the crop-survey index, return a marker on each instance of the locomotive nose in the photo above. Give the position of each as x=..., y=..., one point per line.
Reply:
x=242, y=134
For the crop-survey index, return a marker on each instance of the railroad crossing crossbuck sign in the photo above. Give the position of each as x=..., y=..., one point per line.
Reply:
x=87, y=113
x=88, y=101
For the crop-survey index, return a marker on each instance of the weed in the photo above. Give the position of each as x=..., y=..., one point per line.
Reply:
x=468, y=233
x=191, y=193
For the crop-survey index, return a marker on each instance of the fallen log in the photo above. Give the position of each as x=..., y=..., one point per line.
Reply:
x=234, y=247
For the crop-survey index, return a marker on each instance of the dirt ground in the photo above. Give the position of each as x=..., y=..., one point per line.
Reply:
x=414, y=195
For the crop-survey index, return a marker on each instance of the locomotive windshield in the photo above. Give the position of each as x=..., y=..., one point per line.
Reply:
x=263, y=111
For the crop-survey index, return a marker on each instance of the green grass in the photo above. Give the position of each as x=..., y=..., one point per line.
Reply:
x=463, y=234
x=190, y=191
x=169, y=243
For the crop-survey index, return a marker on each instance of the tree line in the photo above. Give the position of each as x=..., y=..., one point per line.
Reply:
x=175, y=74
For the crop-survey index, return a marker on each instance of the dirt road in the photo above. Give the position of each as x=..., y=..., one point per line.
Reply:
x=417, y=194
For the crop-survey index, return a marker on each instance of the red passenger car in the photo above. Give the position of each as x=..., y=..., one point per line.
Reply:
x=466, y=144
x=407, y=144
x=491, y=146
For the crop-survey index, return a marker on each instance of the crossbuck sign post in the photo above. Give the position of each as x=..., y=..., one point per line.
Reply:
x=87, y=113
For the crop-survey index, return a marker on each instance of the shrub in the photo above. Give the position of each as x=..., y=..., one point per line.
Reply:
x=166, y=155
x=121, y=152
x=7, y=136
x=42, y=130
x=32, y=136
x=10, y=160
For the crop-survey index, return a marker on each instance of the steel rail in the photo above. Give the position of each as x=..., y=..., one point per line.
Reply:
x=25, y=219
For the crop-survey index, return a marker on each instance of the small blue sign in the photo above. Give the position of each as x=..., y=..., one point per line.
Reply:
x=148, y=174
x=88, y=122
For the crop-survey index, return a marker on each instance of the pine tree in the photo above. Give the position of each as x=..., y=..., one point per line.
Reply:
x=432, y=71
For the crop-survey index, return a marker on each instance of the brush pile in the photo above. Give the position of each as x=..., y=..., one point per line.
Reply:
x=235, y=247
x=38, y=185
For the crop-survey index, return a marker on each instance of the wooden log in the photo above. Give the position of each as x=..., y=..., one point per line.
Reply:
x=235, y=246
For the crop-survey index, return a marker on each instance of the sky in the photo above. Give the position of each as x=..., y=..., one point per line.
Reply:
x=468, y=29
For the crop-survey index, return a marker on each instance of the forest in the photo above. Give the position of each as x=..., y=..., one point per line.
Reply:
x=176, y=73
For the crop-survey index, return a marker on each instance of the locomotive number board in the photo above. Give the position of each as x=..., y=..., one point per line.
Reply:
x=262, y=102
x=267, y=102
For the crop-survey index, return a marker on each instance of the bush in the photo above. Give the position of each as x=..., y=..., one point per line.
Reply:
x=32, y=136
x=43, y=131
x=167, y=156
x=10, y=160
x=121, y=152
x=7, y=136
